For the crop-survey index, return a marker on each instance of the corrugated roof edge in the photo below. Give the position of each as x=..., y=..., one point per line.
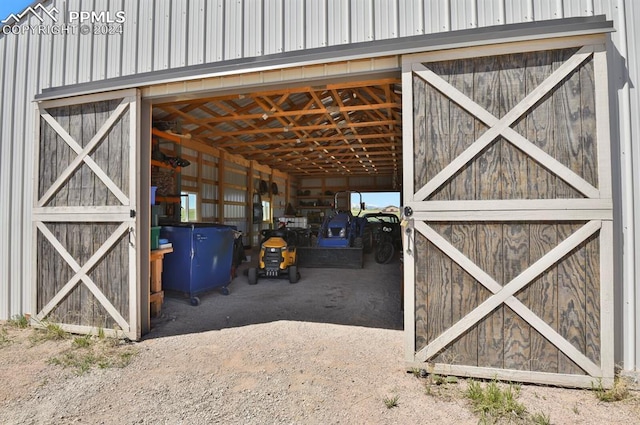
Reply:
x=394, y=46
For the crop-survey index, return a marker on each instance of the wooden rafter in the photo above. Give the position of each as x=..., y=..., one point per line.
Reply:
x=337, y=128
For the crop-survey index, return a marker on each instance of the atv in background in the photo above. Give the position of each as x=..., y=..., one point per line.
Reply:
x=387, y=235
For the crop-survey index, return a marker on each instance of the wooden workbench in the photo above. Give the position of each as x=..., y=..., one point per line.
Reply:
x=156, y=294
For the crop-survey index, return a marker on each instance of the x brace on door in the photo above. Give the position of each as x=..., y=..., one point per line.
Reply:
x=81, y=274
x=83, y=155
x=504, y=294
x=501, y=127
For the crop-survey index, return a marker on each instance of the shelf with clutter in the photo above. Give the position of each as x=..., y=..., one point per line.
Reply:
x=166, y=173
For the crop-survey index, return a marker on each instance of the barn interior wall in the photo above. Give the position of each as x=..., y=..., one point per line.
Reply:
x=224, y=187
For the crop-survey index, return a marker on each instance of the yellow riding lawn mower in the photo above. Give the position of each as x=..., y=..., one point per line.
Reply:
x=278, y=256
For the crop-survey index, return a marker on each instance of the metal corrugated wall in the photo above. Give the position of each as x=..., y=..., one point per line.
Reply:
x=165, y=34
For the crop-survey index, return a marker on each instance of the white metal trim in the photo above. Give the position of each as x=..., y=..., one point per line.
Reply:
x=407, y=224
x=135, y=284
x=607, y=319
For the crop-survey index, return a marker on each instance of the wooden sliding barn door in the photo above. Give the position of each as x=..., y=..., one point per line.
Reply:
x=84, y=213
x=508, y=241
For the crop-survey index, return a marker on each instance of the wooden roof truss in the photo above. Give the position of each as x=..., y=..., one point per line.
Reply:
x=334, y=129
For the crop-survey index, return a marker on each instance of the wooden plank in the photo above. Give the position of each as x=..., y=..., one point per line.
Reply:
x=542, y=298
x=571, y=299
x=517, y=332
x=566, y=101
x=490, y=330
x=603, y=134
x=90, y=185
x=592, y=284
x=439, y=289
x=509, y=215
x=419, y=142
x=513, y=164
x=63, y=151
x=515, y=285
x=515, y=236
x=513, y=205
x=590, y=168
x=437, y=131
x=607, y=315
x=463, y=235
x=76, y=160
x=421, y=259
x=539, y=127
x=488, y=186
x=588, y=126
x=511, y=135
x=573, y=381
x=505, y=122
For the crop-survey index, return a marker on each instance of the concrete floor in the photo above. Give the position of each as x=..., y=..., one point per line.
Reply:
x=368, y=297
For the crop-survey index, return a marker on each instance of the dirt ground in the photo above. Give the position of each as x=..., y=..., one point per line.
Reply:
x=318, y=352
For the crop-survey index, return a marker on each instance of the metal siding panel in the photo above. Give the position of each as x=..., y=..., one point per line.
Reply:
x=85, y=53
x=294, y=25
x=463, y=14
x=233, y=22
x=315, y=24
x=624, y=75
x=215, y=31
x=252, y=29
x=161, y=34
x=519, y=11
x=633, y=55
x=338, y=22
x=361, y=21
x=575, y=8
x=130, y=38
x=196, y=29
x=16, y=199
x=5, y=182
x=45, y=51
x=8, y=169
x=178, y=39
x=547, y=9
x=99, y=67
x=607, y=7
x=114, y=51
x=72, y=49
x=32, y=86
x=437, y=17
x=273, y=27
x=491, y=12
x=411, y=18
x=385, y=19
x=145, y=39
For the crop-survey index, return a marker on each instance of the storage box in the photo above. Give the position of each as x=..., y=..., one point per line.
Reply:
x=155, y=237
x=153, y=194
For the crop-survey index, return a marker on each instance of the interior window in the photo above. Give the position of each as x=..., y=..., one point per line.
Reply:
x=266, y=211
x=189, y=204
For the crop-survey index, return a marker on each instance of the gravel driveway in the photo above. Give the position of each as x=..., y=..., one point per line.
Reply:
x=323, y=351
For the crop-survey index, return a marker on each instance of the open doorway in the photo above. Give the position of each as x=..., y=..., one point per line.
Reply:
x=284, y=152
